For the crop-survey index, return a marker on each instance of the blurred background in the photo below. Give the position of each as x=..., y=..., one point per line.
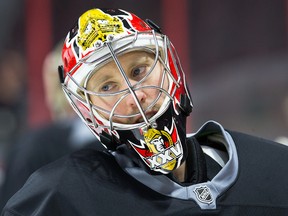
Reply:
x=235, y=55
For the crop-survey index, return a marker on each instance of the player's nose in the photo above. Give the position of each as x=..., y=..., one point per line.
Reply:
x=131, y=100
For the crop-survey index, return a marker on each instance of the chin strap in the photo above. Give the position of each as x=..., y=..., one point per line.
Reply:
x=108, y=140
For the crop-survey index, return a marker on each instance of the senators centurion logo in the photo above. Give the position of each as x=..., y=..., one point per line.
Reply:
x=95, y=25
x=161, y=150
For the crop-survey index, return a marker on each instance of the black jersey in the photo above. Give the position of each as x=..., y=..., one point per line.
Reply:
x=252, y=181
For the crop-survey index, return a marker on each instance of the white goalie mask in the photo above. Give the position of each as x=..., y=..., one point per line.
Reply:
x=123, y=78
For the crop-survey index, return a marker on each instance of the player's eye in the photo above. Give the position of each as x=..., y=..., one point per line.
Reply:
x=139, y=72
x=108, y=87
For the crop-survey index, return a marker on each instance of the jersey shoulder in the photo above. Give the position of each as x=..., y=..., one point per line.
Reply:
x=253, y=144
x=49, y=189
x=262, y=177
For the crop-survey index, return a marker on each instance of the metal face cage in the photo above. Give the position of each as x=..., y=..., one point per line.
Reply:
x=76, y=81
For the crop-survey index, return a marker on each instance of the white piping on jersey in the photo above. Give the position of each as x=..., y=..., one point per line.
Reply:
x=215, y=154
x=219, y=156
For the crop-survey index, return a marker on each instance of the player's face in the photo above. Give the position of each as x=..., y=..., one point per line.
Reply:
x=108, y=80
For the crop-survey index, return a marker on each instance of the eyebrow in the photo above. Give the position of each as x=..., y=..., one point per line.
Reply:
x=140, y=59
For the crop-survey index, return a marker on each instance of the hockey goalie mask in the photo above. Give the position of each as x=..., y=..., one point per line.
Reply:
x=123, y=78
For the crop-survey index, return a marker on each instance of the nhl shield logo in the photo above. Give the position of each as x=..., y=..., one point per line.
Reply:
x=203, y=194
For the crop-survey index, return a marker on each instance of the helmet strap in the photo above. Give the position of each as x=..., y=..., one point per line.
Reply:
x=154, y=26
x=61, y=73
x=185, y=104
